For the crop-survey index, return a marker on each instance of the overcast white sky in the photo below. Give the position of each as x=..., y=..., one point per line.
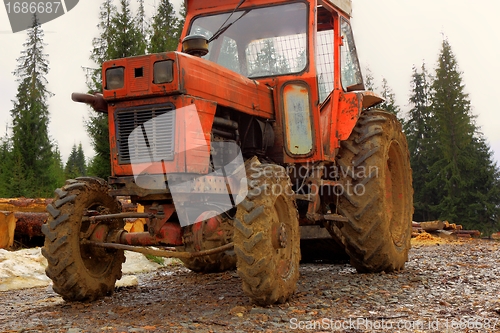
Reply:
x=391, y=36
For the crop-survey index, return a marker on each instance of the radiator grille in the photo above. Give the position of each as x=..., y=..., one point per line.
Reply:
x=145, y=135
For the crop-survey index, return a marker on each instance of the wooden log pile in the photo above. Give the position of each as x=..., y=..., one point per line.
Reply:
x=443, y=229
x=24, y=217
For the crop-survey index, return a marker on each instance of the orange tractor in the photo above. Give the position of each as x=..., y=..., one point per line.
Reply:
x=255, y=136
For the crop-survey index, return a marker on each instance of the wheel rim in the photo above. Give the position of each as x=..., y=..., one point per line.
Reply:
x=282, y=233
x=394, y=193
x=97, y=260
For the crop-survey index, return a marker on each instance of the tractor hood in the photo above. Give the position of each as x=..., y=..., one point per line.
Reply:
x=175, y=73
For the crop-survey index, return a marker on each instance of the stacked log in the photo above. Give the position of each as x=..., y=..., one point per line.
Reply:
x=7, y=227
x=443, y=229
x=132, y=225
x=24, y=217
x=21, y=216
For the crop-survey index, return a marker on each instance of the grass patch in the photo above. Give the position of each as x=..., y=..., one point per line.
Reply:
x=158, y=260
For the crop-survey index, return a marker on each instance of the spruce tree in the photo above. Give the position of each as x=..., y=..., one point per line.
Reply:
x=417, y=130
x=101, y=46
x=75, y=166
x=390, y=100
x=32, y=156
x=182, y=19
x=142, y=25
x=128, y=40
x=97, y=125
x=5, y=166
x=57, y=168
x=463, y=175
x=484, y=187
x=165, y=29
x=369, y=80
x=81, y=162
x=120, y=36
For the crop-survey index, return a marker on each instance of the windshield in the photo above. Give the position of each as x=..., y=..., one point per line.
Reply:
x=258, y=42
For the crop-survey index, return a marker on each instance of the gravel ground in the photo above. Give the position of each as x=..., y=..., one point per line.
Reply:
x=446, y=287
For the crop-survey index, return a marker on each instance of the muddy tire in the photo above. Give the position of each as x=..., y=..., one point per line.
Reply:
x=266, y=237
x=377, y=194
x=215, y=263
x=80, y=272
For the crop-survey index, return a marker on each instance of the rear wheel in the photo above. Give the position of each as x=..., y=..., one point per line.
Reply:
x=209, y=234
x=266, y=238
x=377, y=194
x=81, y=272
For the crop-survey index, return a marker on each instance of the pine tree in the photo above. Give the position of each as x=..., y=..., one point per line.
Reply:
x=98, y=122
x=386, y=92
x=182, y=19
x=463, y=176
x=142, y=25
x=5, y=166
x=97, y=128
x=101, y=50
x=31, y=155
x=369, y=80
x=121, y=35
x=75, y=166
x=81, y=162
x=165, y=29
x=390, y=100
x=417, y=132
x=127, y=40
x=56, y=169
x=483, y=187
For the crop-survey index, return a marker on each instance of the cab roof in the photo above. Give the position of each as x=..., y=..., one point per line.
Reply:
x=222, y=5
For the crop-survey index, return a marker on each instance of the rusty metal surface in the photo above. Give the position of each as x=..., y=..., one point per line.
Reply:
x=169, y=234
x=297, y=117
x=163, y=253
x=125, y=215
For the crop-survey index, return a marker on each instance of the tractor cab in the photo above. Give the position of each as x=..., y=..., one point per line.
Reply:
x=290, y=47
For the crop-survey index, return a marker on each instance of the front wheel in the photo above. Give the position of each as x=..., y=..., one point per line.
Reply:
x=376, y=194
x=266, y=237
x=80, y=272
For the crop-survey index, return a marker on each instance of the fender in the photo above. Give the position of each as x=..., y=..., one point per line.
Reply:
x=351, y=105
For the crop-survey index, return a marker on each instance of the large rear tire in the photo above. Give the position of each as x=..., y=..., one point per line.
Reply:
x=200, y=237
x=80, y=272
x=377, y=193
x=266, y=237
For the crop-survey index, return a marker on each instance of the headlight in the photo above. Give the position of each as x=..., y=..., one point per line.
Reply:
x=163, y=71
x=114, y=78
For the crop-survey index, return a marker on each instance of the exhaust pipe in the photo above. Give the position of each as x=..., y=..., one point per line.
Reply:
x=96, y=101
